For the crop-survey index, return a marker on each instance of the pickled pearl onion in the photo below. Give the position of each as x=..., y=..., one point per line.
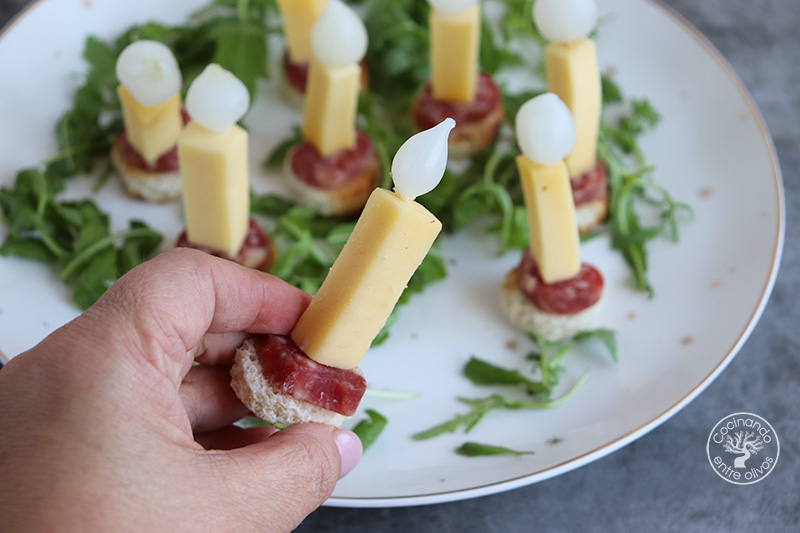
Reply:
x=419, y=164
x=149, y=71
x=565, y=20
x=217, y=99
x=339, y=37
x=452, y=6
x=545, y=129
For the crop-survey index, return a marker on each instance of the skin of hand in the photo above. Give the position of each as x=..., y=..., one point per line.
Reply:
x=106, y=425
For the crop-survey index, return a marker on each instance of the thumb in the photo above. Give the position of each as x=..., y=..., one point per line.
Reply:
x=277, y=482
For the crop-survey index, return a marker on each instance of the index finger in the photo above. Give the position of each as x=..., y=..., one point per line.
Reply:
x=167, y=305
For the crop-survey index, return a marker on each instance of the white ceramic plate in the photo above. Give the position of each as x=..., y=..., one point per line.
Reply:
x=711, y=150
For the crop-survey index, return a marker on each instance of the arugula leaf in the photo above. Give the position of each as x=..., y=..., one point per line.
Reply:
x=270, y=205
x=494, y=54
x=547, y=358
x=481, y=372
x=482, y=406
x=630, y=193
x=479, y=409
x=242, y=49
x=26, y=249
x=488, y=188
x=517, y=22
x=302, y=260
x=255, y=422
x=606, y=336
x=275, y=159
x=369, y=429
x=239, y=31
x=97, y=276
x=399, y=47
x=74, y=235
x=611, y=92
x=475, y=449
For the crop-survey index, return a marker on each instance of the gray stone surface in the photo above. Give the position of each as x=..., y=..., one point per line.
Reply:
x=643, y=487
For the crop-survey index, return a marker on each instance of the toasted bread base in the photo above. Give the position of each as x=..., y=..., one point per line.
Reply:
x=523, y=314
x=591, y=214
x=156, y=187
x=472, y=138
x=267, y=402
x=342, y=201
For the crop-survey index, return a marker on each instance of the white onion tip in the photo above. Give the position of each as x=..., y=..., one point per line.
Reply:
x=545, y=129
x=149, y=71
x=217, y=99
x=565, y=20
x=419, y=164
x=339, y=37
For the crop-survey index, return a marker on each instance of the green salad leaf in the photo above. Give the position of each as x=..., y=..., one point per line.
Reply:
x=633, y=192
x=482, y=372
x=73, y=235
x=370, y=428
x=476, y=449
x=480, y=407
x=546, y=356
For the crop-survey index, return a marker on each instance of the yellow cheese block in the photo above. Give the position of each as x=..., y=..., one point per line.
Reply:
x=455, y=42
x=390, y=240
x=573, y=74
x=152, y=130
x=298, y=19
x=216, y=195
x=554, y=240
x=329, y=115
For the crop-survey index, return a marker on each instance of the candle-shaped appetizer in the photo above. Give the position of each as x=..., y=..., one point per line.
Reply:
x=338, y=44
x=458, y=88
x=455, y=32
x=298, y=19
x=573, y=74
x=312, y=375
x=144, y=152
x=335, y=169
x=212, y=150
x=551, y=293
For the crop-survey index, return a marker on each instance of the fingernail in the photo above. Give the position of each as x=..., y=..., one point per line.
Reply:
x=349, y=450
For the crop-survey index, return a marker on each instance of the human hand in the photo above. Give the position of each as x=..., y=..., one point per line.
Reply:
x=106, y=425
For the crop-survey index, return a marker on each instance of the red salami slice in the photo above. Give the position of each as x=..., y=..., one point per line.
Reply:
x=590, y=186
x=429, y=112
x=563, y=297
x=296, y=74
x=335, y=170
x=257, y=251
x=166, y=163
x=290, y=370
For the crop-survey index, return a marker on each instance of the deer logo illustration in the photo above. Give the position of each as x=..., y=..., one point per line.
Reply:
x=746, y=443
